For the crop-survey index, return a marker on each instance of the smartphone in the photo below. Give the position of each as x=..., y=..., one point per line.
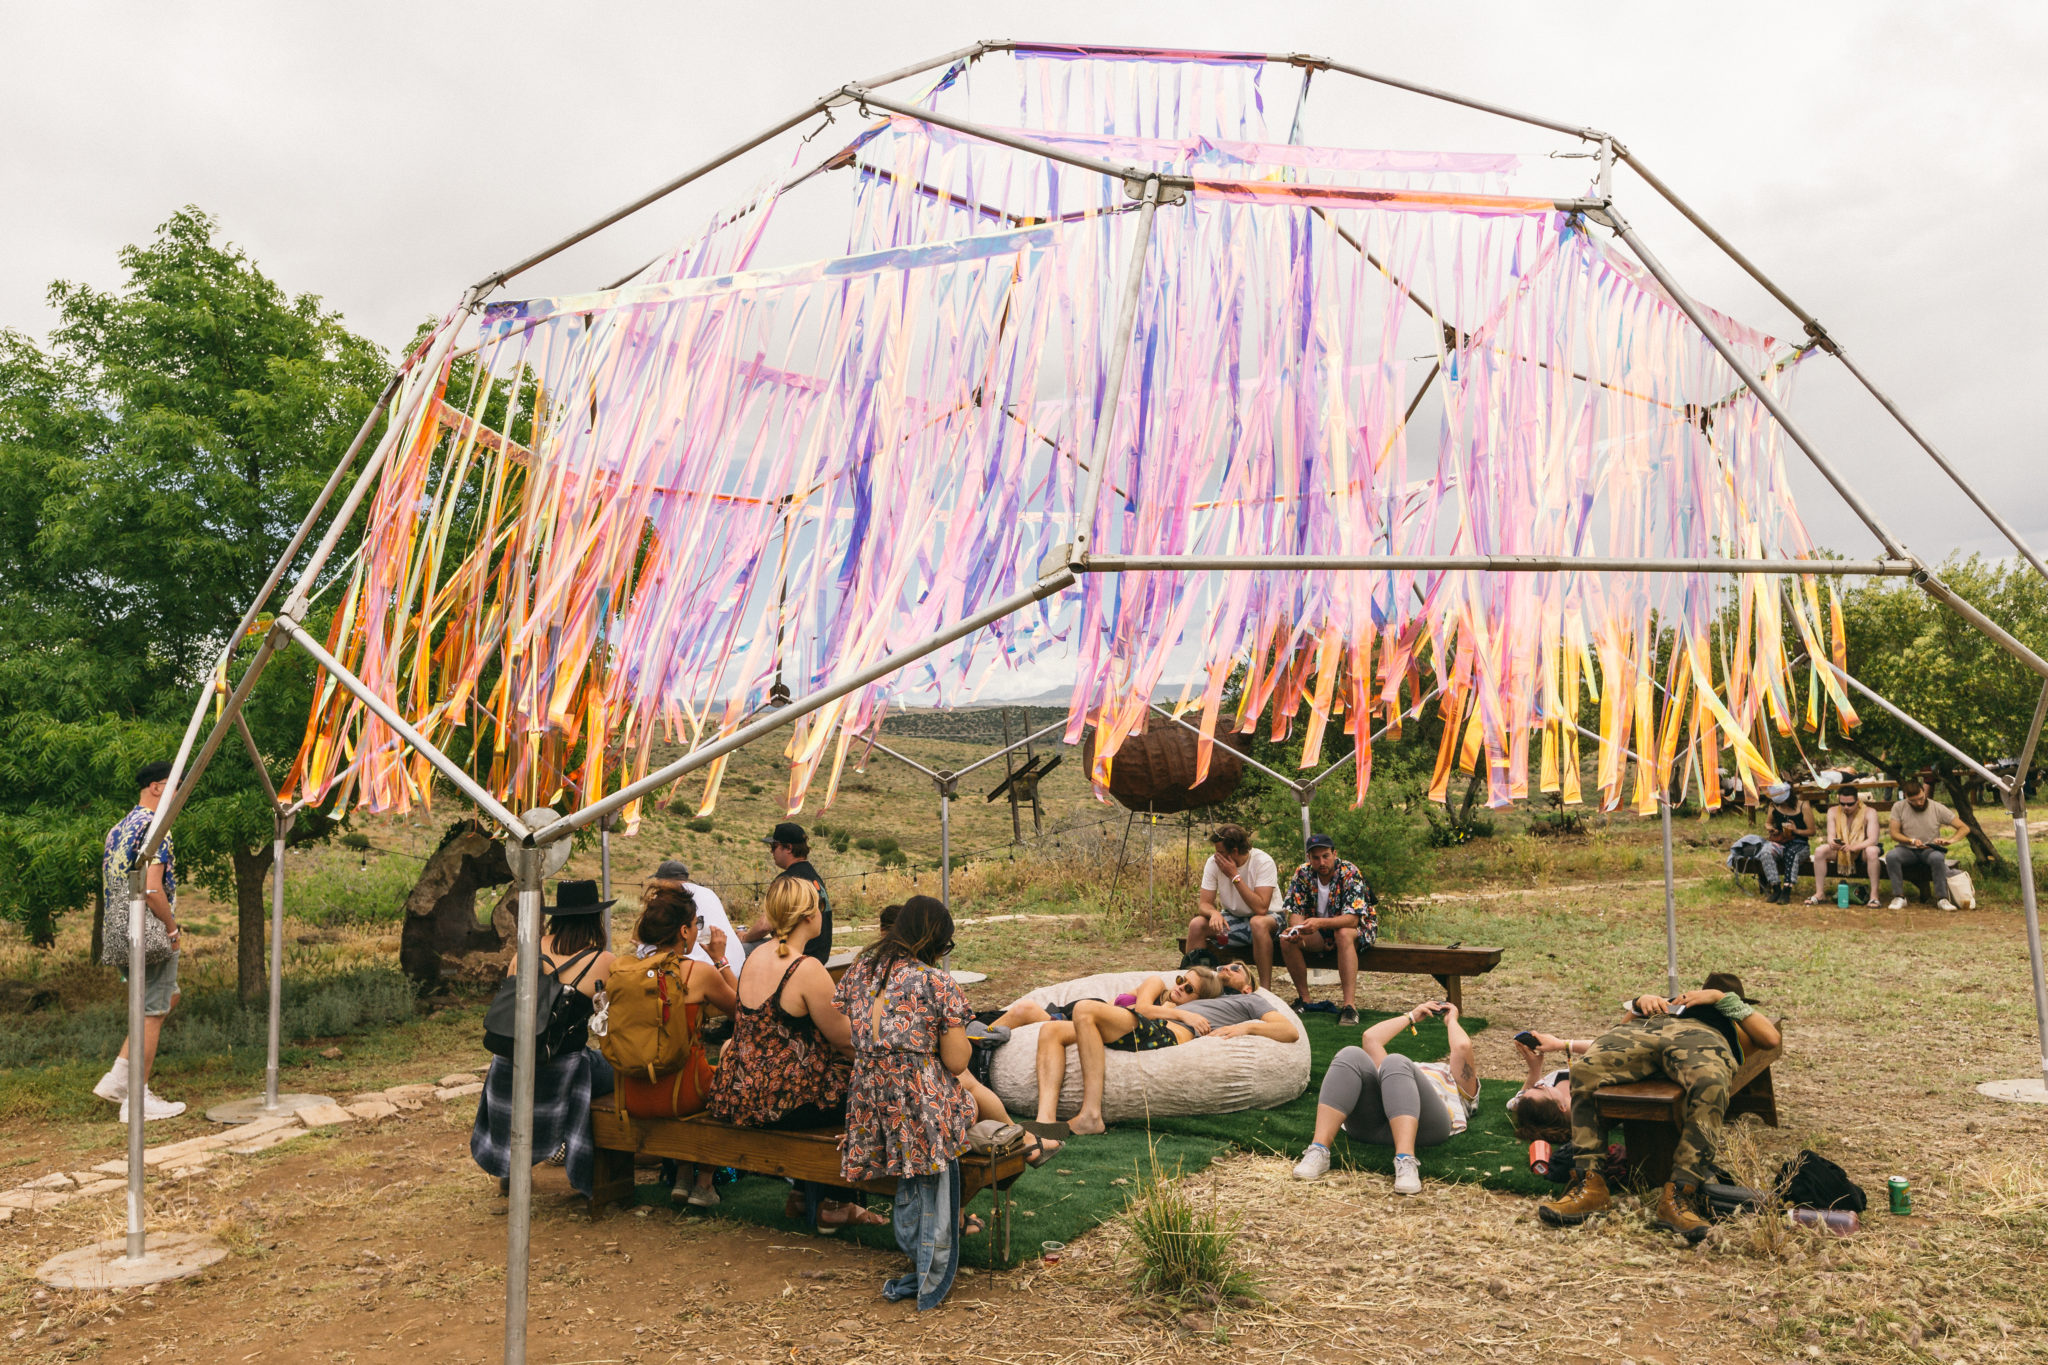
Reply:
x=1528, y=1039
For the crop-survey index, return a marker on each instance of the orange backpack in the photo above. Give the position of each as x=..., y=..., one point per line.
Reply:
x=647, y=1033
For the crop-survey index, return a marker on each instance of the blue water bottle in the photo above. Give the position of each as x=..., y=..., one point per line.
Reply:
x=1842, y=894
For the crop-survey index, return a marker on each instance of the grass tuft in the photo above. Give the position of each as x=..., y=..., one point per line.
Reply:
x=1186, y=1250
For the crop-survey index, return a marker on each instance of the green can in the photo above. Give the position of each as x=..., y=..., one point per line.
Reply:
x=1902, y=1199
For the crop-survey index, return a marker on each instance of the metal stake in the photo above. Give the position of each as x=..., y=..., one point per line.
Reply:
x=945, y=847
x=284, y=827
x=519, y=1208
x=604, y=875
x=138, y=1076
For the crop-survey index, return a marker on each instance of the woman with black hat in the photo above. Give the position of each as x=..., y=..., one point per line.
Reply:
x=567, y=1073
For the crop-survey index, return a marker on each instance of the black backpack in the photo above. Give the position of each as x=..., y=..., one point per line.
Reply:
x=1811, y=1181
x=562, y=1011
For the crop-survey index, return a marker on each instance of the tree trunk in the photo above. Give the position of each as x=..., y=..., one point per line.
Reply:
x=251, y=866
x=1959, y=799
x=99, y=922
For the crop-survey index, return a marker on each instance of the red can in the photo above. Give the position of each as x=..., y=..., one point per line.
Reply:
x=1539, y=1158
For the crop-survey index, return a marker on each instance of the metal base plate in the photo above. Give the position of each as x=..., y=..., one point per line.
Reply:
x=970, y=978
x=251, y=1109
x=2033, y=1091
x=105, y=1265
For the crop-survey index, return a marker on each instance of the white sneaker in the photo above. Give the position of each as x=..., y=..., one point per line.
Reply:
x=1898, y=903
x=1407, y=1175
x=1944, y=904
x=113, y=1087
x=154, y=1107
x=1314, y=1163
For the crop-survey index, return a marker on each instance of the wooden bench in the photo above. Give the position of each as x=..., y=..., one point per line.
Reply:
x=1448, y=963
x=1652, y=1113
x=800, y=1154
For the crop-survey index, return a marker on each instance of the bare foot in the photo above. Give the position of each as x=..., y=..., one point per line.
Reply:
x=841, y=1215
x=1082, y=1124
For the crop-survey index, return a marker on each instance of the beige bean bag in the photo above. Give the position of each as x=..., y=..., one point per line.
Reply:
x=1206, y=1076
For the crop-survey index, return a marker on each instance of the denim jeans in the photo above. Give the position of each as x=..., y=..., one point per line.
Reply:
x=928, y=1232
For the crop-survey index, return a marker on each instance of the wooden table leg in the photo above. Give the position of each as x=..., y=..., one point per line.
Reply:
x=1651, y=1147
x=611, y=1179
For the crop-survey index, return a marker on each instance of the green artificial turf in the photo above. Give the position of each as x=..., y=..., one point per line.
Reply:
x=1087, y=1182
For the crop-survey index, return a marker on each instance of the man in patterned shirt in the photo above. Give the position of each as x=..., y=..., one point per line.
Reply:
x=159, y=898
x=1328, y=905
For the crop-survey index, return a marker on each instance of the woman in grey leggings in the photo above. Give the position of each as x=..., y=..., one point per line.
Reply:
x=1394, y=1101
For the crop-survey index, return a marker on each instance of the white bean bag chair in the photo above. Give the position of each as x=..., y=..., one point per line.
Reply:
x=1206, y=1076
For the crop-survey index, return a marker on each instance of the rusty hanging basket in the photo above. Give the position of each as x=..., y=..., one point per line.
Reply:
x=1155, y=771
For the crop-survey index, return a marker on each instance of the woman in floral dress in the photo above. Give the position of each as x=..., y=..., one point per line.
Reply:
x=907, y=1113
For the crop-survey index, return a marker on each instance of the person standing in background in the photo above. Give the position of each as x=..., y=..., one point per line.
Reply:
x=790, y=848
x=160, y=898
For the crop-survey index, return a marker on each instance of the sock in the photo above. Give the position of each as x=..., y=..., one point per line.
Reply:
x=1313, y=1145
x=1399, y=1155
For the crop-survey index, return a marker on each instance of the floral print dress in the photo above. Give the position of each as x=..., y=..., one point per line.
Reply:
x=906, y=1115
x=776, y=1065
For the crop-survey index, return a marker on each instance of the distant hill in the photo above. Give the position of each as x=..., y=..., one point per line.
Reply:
x=976, y=725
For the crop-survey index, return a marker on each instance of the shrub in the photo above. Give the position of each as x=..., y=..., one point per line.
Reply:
x=885, y=846
x=1187, y=1254
x=332, y=894
x=701, y=824
x=865, y=842
x=821, y=828
x=355, y=839
x=839, y=841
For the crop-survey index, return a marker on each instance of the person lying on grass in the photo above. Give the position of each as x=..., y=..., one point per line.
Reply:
x=1389, y=1100
x=1697, y=1040
x=1165, y=1015
x=1541, y=1109
x=1236, y=978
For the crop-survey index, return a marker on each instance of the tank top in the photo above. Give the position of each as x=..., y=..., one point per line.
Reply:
x=1439, y=1076
x=776, y=1062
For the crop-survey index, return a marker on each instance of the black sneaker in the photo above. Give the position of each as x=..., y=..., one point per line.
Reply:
x=1300, y=1005
x=1346, y=1016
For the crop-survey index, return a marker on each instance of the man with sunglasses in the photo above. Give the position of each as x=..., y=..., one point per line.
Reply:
x=1852, y=833
x=1193, y=1006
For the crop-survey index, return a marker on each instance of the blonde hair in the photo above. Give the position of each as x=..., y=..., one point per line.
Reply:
x=791, y=900
x=1207, y=984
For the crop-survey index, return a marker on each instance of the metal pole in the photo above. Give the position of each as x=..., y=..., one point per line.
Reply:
x=801, y=706
x=175, y=796
x=138, y=1076
x=256, y=759
x=1306, y=828
x=906, y=758
x=1151, y=828
x=1282, y=778
x=1317, y=780
x=1936, y=740
x=604, y=875
x=519, y=1207
x=1589, y=134
x=1925, y=578
x=384, y=712
x=1670, y=899
x=2023, y=854
x=740, y=148
x=284, y=827
x=981, y=132
x=1880, y=568
x=945, y=848
x=1082, y=528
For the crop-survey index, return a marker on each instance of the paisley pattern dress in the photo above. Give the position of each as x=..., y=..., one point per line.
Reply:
x=777, y=1068
x=906, y=1115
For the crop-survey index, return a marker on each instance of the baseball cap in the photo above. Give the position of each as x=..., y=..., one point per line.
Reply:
x=1316, y=841
x=788, y=832
x=673, y=870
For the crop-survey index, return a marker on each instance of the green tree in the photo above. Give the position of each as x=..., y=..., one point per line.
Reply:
x=155, y=458
x=1945, y=673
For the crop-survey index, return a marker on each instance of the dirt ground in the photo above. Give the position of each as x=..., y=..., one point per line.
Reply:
x=382, y=1240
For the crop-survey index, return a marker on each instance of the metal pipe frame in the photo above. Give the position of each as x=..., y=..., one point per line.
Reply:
x=284, y=819
x=363, y=693
x=866, y=98
x=1921, y=730
x=2023, y=855
x=1670, y=885
x=176, y=796
x=138, y=1077
x=802, y=706
x=256, y=760
x=1010, y=748
x=1293, y=784
x=1887, y=568
x=526, y=867
x=905, y=759
x=1925, y=578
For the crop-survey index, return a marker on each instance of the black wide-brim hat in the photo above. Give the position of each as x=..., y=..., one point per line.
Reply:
x=577, y=898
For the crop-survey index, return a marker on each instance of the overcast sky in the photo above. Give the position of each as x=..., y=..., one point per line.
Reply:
x=1884, y=162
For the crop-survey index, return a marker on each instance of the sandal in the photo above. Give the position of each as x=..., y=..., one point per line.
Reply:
x=1051, y=1129
x=851, y=1215
x=971, y=1225
x=1036, y=1153
x=1814, y=899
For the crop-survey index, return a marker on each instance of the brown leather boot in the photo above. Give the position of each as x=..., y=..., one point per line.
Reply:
x=1678, y=1211
x=1586, y=1196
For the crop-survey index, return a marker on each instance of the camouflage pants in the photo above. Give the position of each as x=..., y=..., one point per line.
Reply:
x=1692, y=1055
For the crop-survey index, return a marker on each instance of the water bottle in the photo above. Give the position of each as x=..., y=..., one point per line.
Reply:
x=1840, y=1222
x=1842, y=894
